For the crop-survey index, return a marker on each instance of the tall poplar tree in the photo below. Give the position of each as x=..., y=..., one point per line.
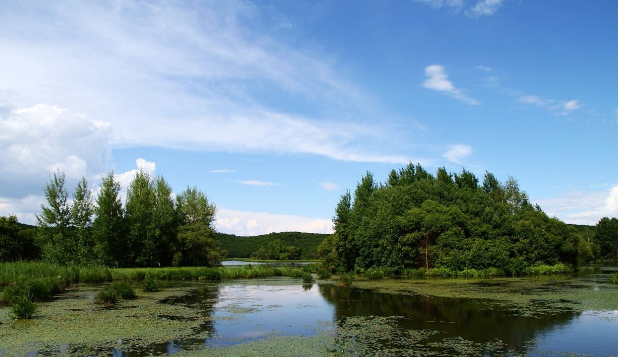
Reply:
x=108, y=228
x=139, y=215
x=54, y=222
x=81, y=221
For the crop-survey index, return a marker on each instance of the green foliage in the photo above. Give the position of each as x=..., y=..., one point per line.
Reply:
x=606, y=237
x=346, y=279
x=446, y=224
x=374, y=273
x=54, y=221
x=23, y=308
x=150, y=284
x=307, y=278
x=81, y=223
x=613, y=278
x=16, y=242
x=244, y=247
x=275, y=250
x=35, y=289
x=324, y=273
x=107, y=296
x=124, y=290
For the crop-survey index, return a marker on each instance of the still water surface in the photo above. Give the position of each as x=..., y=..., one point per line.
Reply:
x=250, y=310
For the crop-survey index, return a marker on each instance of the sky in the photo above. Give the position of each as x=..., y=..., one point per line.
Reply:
x=275, y=108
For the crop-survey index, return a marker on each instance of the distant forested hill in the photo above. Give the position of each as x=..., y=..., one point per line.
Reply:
x=243, y=247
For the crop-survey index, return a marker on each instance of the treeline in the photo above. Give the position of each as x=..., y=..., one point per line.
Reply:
x=150, y=229
x=272, y=246
x=450, y=221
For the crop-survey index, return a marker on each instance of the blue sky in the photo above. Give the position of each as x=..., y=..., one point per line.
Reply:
x=275, y=108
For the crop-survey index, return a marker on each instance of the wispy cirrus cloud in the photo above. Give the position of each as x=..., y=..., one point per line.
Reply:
x=563, y=107
x=484, y=8
x=257, y=183
x=437, y=80
x=222, y=171
x=472, y=9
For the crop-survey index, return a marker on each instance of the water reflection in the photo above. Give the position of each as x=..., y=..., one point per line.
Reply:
x=472, y=320
x=242, y=311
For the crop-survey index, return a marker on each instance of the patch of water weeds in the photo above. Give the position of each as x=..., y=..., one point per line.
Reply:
x=527, y=296
x=64, y=325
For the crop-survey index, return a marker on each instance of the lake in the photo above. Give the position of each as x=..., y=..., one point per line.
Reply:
x=324, y=319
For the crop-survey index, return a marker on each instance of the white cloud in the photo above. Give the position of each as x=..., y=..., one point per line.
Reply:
x=456, y=5
x=221, y=171
x=255, y=223
x=583, y=207
x=125, y=178
x=328, y=186
x=257, y=183
x=184, y=76
x=484, y=8
x=438, y=80
x=37, y=140
x=535, y=100
x=571, y=105
x=480, y=9
x=24, y=208
x=558, y=107
x=457, y=153
x=484, y=68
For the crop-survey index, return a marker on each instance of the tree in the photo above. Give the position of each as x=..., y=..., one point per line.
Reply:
x=197, y=245
x=54, y=222
x=164, y=222
x=81, y=221
x=139, y=215
x=606, y=236
x=108, y=228
x=16, y=243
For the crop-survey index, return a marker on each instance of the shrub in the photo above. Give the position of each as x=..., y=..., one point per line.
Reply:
x=23, y=308
x=150, y=284
x=614, y=278
x=374, y=273
x=307, y=278
x=123, y=290
x=107, y=296
x=346, y=279
x=324, y=273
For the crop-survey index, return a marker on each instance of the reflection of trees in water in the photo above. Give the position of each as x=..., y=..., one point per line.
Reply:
x=203, y=298
x=466, y=318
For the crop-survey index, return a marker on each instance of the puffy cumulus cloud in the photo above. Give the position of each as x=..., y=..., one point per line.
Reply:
x=23, y=208
x=583, y=207
x=255, y=223
x=125, y=178
x=571, y=105
x=438, y=80
x=457, y=153
x=38, y=140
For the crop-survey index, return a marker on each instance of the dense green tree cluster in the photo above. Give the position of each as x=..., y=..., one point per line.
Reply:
x=245, y=247
x=606, y=237
x=16, y=242
x=276, y=250
x=153, y=229
x=449, y=220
